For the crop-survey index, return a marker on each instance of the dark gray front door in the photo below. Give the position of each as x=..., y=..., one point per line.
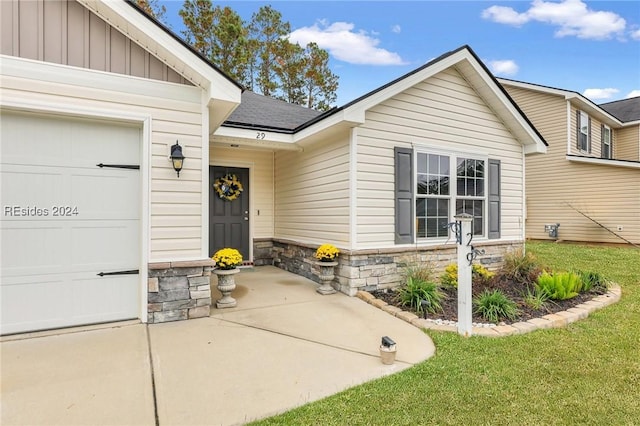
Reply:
x=229, y=219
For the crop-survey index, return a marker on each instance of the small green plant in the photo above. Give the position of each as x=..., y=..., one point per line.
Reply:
x=560, y=286
x=535, y=298
x=422, y=271
x=594, y=281
x=520, y=266
x=479, y=274
x=495, y=306
x=418, y=290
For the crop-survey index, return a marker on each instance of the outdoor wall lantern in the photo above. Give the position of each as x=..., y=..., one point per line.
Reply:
x=176, y=157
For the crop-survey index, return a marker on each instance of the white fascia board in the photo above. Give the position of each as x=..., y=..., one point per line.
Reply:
x=584, y=104
x=343, y=117
x=253, y=135
x=155, y=40
x=604, y=162
x=534, y=87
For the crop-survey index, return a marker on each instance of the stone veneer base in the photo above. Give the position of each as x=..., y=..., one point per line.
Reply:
x=179, y=290
x=370, y=269
x=556, y=320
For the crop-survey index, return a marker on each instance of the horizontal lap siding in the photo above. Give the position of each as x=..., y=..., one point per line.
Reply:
x=442, y=112
x=261, y=165
x=312, y=194
x=610, y=195
x=626, y=144
x=176, y=114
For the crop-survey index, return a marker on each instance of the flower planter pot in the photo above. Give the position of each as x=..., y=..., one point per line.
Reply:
x=226, y=284
x=326, y=276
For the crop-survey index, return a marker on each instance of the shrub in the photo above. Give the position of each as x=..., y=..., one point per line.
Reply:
x=520, y=266
x=560, y=286
x=494, y=306
x=418, y=290
x=422, y=271
x=479, y=275
x=536, y=299
x=594, y=281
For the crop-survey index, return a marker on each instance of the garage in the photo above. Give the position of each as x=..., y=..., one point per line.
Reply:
x=70, y=223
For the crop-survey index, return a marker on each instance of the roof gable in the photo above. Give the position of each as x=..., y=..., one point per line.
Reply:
x=223, y=94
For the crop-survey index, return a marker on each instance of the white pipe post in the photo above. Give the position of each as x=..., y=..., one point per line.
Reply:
x=464, y=275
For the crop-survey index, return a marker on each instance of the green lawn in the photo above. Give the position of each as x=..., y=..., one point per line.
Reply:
x=588, y=373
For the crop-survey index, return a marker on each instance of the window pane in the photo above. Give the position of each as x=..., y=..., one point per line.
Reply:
x=432, y=228
x=422, y=184
x=433, y=185
x=444, y=185
x=421, y=228
x=420, y=208
x=479, y=168
x=461, y=169
x=461, y=189
x=432, y=207
x=444, y=165
x=479, y=187
x=434, y=162
x=443, y=231
x=422, y=163
x=471, y=187
x=443, y=208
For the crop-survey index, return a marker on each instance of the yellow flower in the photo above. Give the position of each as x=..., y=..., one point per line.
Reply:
x=326, y=253
x=227, y=258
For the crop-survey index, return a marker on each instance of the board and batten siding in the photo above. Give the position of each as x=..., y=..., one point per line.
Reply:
x=176, y=113
x=65, y=32
x=312, y=193
x=260, y=163
x=608, y=194
x=443, y=112
x=627, y=143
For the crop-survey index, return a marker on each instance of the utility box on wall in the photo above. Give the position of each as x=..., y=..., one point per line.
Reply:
x=552, y=230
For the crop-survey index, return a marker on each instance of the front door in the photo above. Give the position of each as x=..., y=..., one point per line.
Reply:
x=229, y=209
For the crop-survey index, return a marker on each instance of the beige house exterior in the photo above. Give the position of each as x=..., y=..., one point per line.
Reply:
x=97, y=226
x=589, y=180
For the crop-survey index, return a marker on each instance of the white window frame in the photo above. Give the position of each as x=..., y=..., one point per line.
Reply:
x=607, y=130
x=453, y=191
x=583, y=128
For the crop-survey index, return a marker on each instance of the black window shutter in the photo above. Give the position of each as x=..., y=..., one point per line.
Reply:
x=602, y=147
x=578, y=129
x=494, y=199
x=589, y=136
x=404, y=220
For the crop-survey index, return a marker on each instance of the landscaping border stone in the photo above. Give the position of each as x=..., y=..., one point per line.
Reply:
x=556, y=320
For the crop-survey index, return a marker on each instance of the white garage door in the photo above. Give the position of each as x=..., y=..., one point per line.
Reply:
x=64, y=221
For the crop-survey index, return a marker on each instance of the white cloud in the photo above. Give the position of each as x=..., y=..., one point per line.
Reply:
x=633, y=94
x=635, y=34
x=596, y=94
x=504, y=67
x=572, y=17
x=505, y=15
x=345, y=44
x=396, y=29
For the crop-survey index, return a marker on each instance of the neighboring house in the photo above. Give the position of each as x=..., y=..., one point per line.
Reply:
x=589, y=181
x=87, y=82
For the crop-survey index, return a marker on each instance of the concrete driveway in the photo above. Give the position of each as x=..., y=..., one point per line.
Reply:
x=283, y=346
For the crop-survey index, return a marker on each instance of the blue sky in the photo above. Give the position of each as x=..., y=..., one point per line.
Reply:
x=591, y=47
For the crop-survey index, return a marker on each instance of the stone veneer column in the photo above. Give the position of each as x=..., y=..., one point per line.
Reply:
x=179, y=290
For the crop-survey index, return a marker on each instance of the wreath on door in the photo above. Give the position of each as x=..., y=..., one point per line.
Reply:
x=228, y=187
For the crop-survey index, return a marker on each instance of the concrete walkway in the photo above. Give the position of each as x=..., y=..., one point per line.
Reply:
x=284, y=345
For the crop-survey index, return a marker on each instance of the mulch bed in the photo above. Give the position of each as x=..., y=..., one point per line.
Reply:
x=514, y=291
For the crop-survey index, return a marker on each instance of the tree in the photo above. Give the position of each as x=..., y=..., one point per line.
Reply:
x=268, y=33
x=198, y=17
x=320, y=84
x=289, y=68
x=153, y=8
x=230, y=43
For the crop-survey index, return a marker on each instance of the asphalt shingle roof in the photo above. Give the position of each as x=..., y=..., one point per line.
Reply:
x=262, y=112
x=624, y=110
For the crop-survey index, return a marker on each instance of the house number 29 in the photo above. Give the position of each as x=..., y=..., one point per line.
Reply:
x=260, y=135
